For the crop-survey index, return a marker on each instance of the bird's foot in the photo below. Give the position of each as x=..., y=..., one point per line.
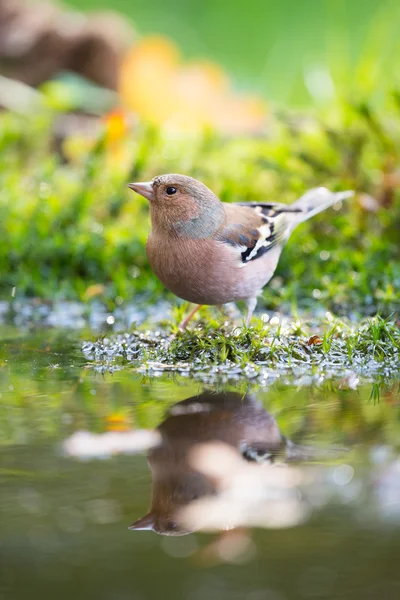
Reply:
x=184, y=323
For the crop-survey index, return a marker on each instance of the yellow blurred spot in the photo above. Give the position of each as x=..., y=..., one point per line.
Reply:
x=122, y=427
x=117, y=422
x=94, y=290
x=115, y=418
x=116, y=126
x=156, y=85
x=147, y=78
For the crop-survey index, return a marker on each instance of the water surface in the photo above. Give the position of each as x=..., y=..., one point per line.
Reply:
x=300, y=484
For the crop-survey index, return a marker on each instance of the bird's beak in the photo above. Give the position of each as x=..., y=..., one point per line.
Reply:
x=146, y=523
x=145, y=189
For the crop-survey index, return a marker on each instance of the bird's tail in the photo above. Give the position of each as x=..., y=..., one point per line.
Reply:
x=317, y=200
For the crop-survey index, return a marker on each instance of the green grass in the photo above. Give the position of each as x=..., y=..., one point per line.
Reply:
x=65, y=228
x=211, y=350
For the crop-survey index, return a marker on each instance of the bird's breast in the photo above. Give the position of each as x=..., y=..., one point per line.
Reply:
x=204, y=271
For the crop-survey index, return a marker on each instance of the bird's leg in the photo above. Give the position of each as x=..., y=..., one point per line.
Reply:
x=230, y=310
x=183, y=324
x=251, y=304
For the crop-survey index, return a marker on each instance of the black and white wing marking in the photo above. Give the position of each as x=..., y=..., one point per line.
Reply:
x=266, y=226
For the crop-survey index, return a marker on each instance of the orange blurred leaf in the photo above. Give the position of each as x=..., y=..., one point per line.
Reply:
x=159, y=88
x=94, y=290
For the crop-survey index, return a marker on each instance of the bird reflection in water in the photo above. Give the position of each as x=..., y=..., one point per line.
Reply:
x=222, y=463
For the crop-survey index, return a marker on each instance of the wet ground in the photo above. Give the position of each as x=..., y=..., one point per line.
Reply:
x=278, y=488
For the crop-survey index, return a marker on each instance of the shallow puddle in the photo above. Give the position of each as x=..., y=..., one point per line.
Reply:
x=279, y=491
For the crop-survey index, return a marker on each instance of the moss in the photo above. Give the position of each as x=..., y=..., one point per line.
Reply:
x=330, y=348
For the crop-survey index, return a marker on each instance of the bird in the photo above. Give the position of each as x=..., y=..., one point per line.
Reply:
x=236, y=421
x=210, y=252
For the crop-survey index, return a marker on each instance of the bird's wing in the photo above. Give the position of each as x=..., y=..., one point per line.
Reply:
x=255, y=228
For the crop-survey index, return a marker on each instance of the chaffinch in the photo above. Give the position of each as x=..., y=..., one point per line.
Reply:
x=211, y=252
x=238, y=421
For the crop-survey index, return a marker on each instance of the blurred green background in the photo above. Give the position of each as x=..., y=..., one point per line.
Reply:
x=71, y=229
x=295, y=52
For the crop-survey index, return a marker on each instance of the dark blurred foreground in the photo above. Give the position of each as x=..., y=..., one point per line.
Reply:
x=38, y=40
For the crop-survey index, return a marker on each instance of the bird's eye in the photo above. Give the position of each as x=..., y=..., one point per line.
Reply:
x=171, y=191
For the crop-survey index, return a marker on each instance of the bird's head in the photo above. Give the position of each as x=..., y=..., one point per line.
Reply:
x=181, y=204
